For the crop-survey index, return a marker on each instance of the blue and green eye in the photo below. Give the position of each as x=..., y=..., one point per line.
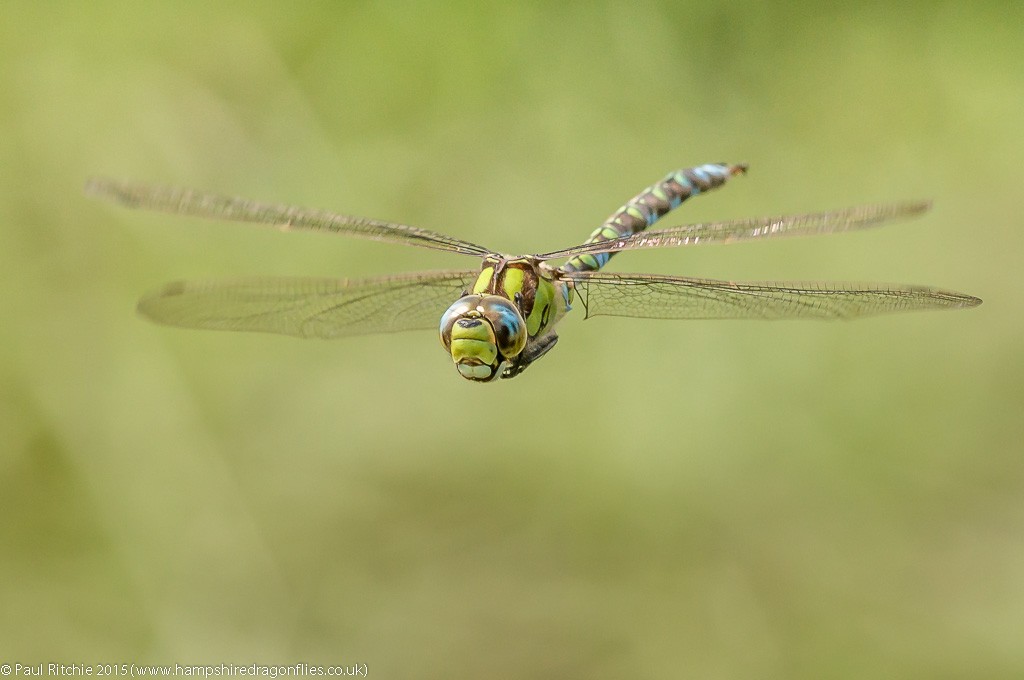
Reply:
x=508, y=324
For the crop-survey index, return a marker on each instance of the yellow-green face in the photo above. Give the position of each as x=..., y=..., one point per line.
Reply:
x=482, y=332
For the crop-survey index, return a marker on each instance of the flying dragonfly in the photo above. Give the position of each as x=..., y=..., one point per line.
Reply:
x=505, y=312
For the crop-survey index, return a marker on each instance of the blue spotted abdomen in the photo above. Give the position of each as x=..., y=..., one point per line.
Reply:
x=644, y=209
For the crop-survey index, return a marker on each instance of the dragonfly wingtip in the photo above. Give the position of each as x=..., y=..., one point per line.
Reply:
x=108, y=189
x=918, y=207
x=95, y=186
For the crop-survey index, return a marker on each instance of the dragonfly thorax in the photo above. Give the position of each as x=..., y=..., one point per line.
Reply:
x=482, y=333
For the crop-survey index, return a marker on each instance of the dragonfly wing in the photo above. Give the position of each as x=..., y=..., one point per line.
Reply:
x=287, y=218
x=730, y=231
x=676, y=297
x=309, y=307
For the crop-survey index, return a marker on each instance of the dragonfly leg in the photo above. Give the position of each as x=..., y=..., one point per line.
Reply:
x=535, y=350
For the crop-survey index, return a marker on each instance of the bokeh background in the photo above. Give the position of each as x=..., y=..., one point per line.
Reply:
x=653, y=499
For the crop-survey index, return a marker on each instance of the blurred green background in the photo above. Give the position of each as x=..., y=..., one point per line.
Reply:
x=653, y=499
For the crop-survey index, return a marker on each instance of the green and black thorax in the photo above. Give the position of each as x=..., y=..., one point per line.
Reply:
x=527, y=282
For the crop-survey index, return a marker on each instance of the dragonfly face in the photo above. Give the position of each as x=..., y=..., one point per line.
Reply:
x=482, y=333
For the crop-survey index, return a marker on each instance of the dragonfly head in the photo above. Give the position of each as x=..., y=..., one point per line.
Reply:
x=482, y=332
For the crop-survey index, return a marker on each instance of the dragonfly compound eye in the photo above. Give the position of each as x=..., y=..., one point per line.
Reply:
x=507, y=322
x=481, y=332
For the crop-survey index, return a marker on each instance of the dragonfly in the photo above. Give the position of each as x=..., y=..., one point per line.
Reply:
x=505, y=311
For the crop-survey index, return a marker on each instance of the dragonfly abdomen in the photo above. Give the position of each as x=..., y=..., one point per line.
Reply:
x=648, y=206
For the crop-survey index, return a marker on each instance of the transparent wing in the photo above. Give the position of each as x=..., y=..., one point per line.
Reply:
x=849, y=219
x=309, y=307
x=287, y=218
x=676, y=297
